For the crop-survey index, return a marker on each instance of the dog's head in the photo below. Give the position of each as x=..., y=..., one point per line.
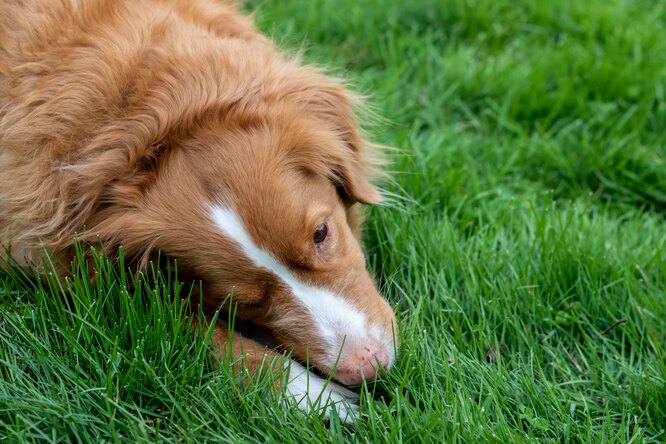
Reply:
x=260, y=199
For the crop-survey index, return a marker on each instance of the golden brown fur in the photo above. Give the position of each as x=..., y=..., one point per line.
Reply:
x=120, y=118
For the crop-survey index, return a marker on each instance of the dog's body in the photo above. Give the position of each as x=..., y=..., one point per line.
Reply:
x=173, y=125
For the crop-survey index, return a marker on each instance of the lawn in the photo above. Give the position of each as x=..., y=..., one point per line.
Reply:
x=523, y=245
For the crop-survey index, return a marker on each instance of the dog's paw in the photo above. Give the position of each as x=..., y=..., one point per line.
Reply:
x=314, y=394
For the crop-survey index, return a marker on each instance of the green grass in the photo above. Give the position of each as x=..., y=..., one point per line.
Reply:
x=529, y=220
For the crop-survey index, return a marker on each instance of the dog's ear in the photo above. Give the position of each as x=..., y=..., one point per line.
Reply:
x=353, y=163
x=351, y=179
x=118, y=163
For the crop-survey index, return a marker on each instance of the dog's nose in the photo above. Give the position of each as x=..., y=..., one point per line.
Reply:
x=363, y=361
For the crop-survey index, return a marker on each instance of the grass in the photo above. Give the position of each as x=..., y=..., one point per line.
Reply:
x=525, y=252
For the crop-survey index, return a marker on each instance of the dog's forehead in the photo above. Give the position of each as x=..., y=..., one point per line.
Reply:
x=263, y=159
x=288, y=196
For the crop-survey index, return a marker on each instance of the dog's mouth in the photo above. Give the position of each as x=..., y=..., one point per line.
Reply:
x=264, y=336
x=255, y=332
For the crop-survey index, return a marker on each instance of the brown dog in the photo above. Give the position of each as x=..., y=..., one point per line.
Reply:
x=174, y=126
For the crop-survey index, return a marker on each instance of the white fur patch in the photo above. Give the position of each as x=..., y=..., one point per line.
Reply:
x=312, y=393
x=336, y=319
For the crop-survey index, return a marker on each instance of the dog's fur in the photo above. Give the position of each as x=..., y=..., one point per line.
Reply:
x=173, y=125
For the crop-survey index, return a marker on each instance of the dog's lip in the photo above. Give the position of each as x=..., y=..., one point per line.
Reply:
x=255, y=332
x=263, y=335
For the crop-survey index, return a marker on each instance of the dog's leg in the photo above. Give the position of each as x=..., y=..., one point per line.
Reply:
x=310, y=392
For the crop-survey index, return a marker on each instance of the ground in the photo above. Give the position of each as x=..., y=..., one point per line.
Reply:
x=523, y=245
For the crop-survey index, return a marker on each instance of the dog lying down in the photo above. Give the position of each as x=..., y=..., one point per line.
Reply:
x=175, y=126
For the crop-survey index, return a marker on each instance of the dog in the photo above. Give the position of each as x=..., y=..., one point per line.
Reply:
x=175, y=126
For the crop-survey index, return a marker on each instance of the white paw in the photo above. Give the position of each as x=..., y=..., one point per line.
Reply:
x=314, y=394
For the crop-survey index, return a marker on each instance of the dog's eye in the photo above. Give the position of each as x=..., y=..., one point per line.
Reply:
x=320, y=233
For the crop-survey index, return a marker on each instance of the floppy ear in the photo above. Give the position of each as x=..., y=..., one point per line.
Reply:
x=353, y=164
x=351, y=180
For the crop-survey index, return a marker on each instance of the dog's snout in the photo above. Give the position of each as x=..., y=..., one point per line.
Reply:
x=362, y=362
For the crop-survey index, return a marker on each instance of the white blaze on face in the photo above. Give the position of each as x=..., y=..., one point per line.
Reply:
x=336, y=319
